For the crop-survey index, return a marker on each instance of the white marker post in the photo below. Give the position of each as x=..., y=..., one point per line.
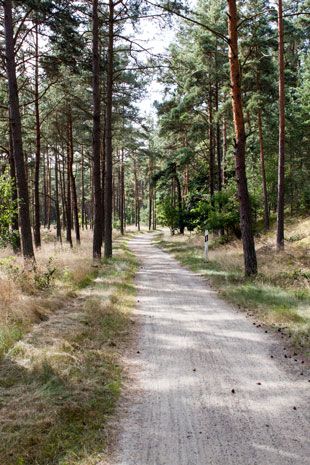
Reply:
x=206, y=245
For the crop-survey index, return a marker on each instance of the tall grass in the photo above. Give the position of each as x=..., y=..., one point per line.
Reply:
x=60, y=379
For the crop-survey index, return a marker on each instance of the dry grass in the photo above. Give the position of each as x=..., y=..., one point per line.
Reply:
x=59, y=382
x=279, y=296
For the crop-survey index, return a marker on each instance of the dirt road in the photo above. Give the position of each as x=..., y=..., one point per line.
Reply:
x=212, y=389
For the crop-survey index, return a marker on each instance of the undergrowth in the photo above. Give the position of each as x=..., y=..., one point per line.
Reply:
x=279, y=295
x=60, y=380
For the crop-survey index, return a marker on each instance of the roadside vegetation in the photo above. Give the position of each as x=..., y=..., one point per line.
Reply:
x=278, y=296
x=64, y=324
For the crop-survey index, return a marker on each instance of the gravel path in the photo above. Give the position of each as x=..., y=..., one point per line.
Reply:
x=211, y=388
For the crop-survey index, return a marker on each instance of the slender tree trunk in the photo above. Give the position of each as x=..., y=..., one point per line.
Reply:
x=15, y=122
x=37, y=221
x=97, y=237
x=83, y=188
x=49, y=192
x=154, y=209
x=250, y=261
x=91, y=207
x=57, y=211
x=73, y=185
x=262, y=162
x=14, y=225
x=122, y=192
x=179, y=196
x=68, y=209
x=136, y=191
x=45, y=190
x=118, y=191
x=103, y=179
x=150, y=194
x=63, y=191
x=224, y=149
x=211, y=149
x=109, y=103
x=280, y=212
x=218, y=142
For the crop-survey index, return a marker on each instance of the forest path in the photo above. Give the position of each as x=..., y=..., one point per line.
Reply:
x=211, y=388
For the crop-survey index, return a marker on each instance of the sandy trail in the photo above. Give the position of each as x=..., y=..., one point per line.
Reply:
x=194, y=350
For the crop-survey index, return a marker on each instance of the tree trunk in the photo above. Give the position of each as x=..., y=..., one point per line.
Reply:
x=280, y=212
x=224, y=149
x=136, y=191
x=63, y=191
x=211, y=151
x=14, y=225
x=73, y=184
x=83, y=188
x=150, y=194
x=122, y=192
x=250, y=261
x=15, y=122
x=103, y=180
x=57, y=211
x=68, y=209
x=262, y=162
x=49, y=192
x=37, y=221
x=218, y=142
x=97, y=237
x=109, y=103
x=179, y=195
x=154, y=209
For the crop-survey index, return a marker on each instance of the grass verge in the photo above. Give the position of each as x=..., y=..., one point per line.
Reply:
x=278, y=296
x=60, y=382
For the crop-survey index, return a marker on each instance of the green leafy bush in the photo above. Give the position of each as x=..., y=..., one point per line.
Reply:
x=8, y=210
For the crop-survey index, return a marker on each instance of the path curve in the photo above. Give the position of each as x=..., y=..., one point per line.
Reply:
x=193, y=350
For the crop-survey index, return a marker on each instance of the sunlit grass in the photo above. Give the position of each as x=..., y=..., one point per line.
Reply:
x=60, y=380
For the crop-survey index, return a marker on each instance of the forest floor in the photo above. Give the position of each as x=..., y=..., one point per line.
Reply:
x=66, y=349
x=64, y=327
x=278, y=297
x=206, y=385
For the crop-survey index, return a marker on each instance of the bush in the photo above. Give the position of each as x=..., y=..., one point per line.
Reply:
x=8, y=211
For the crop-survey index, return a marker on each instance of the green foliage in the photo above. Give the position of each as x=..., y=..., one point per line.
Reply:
x=222, y=213
x=168, y=215
x=8, y=211
x=43, y=279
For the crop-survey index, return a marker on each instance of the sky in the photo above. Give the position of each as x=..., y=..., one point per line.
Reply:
x=155, y=39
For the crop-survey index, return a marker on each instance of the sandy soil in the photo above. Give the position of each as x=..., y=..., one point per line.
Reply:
x=210, y=388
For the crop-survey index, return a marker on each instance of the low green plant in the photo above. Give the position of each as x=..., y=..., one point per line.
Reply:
x=8, y=211
x=44, y=279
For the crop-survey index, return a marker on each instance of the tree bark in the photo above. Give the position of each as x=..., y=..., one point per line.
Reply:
x=97, y=236
x=218, y=142
x=250, y=261
x=136, y=191
x=109, y=103
x=211, y=146
x=280, y=211
x=15, y=121
x=68, y=209
x=179, y=196
x=57, y=211
x=37, y=221
x=73, y=184
x=49, y=192
x=122, y=193
x=14, y=225
x=150, y=194
x=103, y=169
